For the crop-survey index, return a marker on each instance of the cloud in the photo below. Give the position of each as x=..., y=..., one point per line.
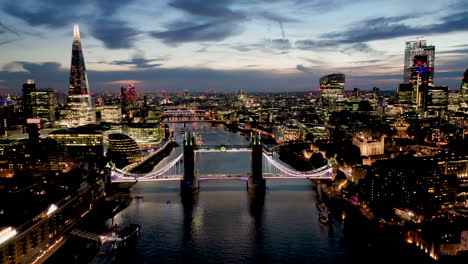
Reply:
x=308, y=44
x=114, y=34
x=465, y=51
x=213, y=9
x=302, y=68
x=47, y=16
x=365, y=61
x=281, y=44
x=7, y=29
x=311, y=60
x=190, y=32
x=14, y=67
x=358, y=47
x=380, y=28
x=139, y=62
x=123, y=82
x=277, y=17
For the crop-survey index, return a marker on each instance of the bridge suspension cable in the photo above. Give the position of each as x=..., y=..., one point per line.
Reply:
x=322, y=172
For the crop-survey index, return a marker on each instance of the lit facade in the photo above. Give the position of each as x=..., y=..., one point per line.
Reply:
x=464, y=91
x=123, y=149
x=332, y=87
x=419, y=69
x=369, y=146
x=79, y=105
x=437, y=98
x=147, y=135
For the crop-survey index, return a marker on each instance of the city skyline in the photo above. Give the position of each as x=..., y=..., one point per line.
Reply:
x=252, y=45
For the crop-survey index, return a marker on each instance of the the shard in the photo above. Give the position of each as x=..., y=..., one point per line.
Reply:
x=79, y=109
x=78, y=78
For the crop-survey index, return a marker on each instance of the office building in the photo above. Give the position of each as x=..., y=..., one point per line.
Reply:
x=464, y=91
x=419, y=69
x=332, y=88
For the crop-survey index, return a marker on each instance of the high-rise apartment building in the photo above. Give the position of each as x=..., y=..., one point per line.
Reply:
x=419, y=69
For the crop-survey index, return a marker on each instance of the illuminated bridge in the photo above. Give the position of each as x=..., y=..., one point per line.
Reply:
x=189, y=115
x=182, y=168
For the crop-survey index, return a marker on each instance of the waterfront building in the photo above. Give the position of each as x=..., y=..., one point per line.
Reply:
x=147, y=135
x=80, y=109
x=123, y=149
x=286, y=133
x=38, y=213
x=83, y=144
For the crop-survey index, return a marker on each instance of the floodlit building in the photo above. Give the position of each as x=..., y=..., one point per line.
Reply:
x=332, y=88
x=464, y=91
x=419, y=69
x=80, y=109
x=123, y=149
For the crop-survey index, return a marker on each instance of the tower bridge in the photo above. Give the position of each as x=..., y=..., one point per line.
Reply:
x=262, y=167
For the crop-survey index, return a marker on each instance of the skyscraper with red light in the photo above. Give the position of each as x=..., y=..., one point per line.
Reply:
x=464, y=91
x=419, y=69
x=80, y=109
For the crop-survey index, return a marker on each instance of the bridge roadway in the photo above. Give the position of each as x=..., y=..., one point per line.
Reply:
x=204, y=177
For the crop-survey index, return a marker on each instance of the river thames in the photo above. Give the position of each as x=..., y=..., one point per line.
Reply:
x=223, y=224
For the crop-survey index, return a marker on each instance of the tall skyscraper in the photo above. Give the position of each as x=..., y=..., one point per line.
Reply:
x=78, y=90
x=29, y=98
x=79, y=105
x=332, y=88
x=464, y=91
x=419, y=69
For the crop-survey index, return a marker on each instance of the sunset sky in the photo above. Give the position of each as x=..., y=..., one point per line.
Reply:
x=255, y=45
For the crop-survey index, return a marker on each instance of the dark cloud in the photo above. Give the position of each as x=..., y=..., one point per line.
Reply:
x=4, y=29
x=139, y=63
x=358, y=47
x=465, y=51
x=365, y=61
x=281, y=44
x=311, y=60
x=302, y=68
x=51, y=17
x=190, y=32
x=109, y=7
x=214, y=9
x=277, y=17
x=114, y=34
x=392, y=27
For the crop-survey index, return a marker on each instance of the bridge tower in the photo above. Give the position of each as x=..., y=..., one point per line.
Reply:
x=256, y=181
x=190, y=179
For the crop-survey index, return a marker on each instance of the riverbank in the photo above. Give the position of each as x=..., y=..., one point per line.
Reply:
x=77, y=250
x=149, y=164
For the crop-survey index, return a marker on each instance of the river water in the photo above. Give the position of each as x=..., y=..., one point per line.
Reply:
x=223, y=224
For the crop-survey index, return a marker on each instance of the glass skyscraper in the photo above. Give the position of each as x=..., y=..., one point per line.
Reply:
x=419, y=69
x=79, y=105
